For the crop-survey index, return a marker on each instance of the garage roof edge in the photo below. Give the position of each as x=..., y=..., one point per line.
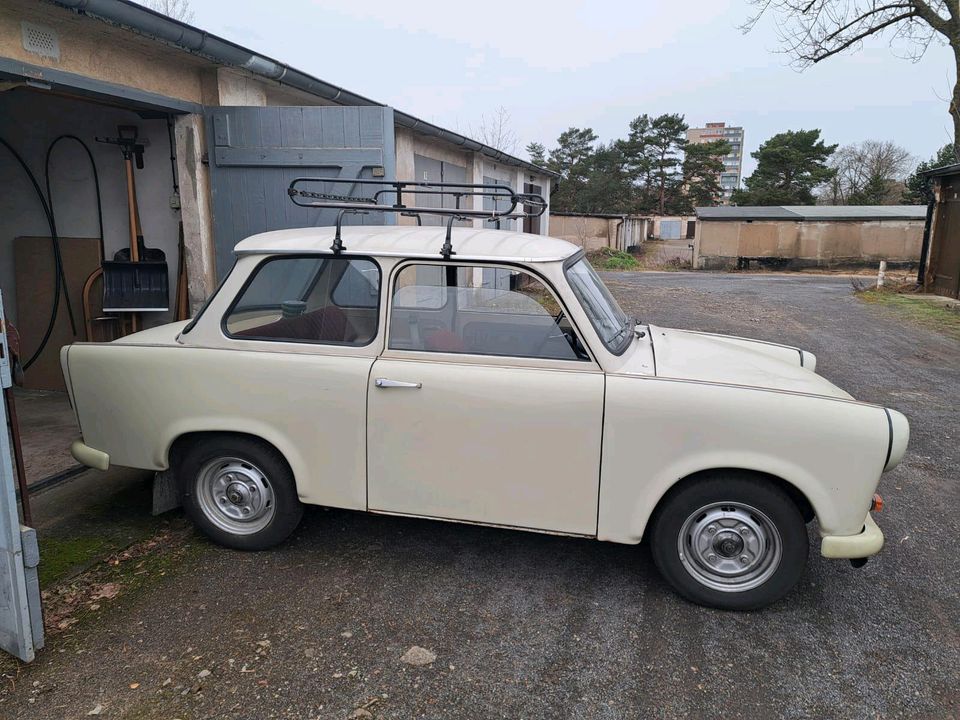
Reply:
x=156, y=26
x=813, y=213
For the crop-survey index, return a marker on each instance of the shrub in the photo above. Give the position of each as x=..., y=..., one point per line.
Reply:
x=610, y=259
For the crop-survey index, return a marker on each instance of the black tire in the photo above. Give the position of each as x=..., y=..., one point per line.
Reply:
x=261, y=468
x=730, y=496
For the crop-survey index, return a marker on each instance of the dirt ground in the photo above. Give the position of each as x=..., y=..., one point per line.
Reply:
x=535, y=626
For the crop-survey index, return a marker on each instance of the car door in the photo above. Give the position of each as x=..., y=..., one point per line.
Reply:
x=484, y=407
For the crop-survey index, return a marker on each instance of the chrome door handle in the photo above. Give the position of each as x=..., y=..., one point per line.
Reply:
x=385, y=383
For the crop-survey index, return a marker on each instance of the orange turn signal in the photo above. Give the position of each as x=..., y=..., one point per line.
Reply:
x=877, y=504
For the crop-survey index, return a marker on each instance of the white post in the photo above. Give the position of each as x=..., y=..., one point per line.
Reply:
x=882, y=273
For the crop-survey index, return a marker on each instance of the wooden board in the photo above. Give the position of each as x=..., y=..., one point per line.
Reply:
x=34, y=270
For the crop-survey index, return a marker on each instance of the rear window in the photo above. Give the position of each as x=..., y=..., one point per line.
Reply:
x=326, y=300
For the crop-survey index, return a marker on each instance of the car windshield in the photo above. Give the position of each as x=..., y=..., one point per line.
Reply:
x=611, y=323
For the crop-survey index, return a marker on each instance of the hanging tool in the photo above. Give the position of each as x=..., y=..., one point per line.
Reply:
x=87, y=292
x=136, y=280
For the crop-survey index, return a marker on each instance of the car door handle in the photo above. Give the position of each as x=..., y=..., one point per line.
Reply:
x=385, y=383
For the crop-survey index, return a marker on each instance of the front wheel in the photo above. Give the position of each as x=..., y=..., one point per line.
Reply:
x=730, y=541
x=239, y=491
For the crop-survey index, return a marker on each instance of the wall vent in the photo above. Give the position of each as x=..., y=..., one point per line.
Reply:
x=40, y=40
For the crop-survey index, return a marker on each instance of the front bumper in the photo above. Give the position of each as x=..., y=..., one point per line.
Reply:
x=864, y=544
x=91, y=457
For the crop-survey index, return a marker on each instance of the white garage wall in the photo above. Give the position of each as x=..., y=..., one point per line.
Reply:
x=30, y=121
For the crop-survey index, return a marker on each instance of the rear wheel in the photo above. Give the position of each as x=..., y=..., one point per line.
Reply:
x=730, y=540
x=239, y=491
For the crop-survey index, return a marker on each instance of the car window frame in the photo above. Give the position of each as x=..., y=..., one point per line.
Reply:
x=304, y=256
x=579, y=363
x=567, y=264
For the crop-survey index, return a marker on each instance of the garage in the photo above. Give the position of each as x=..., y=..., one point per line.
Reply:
x=137, y=150
x=72, y=149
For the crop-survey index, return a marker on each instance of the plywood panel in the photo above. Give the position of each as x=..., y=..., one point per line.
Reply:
x=34, y=269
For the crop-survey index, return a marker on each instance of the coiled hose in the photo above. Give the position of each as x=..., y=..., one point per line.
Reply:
x=58, y=260
x=47, y=203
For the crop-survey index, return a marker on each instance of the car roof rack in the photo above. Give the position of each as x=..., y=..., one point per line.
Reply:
x=402, y=191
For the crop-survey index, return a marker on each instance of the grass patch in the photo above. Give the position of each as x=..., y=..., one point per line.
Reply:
x=610, y=259
x=62, y=557
x=649, y=257
x=914, y=309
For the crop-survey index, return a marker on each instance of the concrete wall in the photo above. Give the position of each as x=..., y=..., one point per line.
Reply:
x=589, y=232
x=30, y=121
x=478, y=166
x=94, y=49
x=719, y=244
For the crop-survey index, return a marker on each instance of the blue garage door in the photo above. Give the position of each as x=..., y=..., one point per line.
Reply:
x=670, y=229
x=256, y=151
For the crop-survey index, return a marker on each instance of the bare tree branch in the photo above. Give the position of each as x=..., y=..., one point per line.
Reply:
x=496, y=131
x=813, y=30
x=823, y=54
x=176, y=9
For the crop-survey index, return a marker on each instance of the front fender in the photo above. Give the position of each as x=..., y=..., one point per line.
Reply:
x=658, y=431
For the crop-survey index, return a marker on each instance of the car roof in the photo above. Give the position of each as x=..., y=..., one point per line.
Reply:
x=411, y=241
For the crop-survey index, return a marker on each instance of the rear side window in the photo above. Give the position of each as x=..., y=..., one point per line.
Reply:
x=328, y=300
x=479, y=310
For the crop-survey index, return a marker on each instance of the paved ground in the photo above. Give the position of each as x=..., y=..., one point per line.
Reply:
x=47, y=425
x=533, y=626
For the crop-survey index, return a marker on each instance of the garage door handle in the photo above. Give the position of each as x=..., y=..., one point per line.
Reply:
x=385, y=383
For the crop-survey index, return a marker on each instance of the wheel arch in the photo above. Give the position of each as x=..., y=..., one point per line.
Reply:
x=796, y=494
x=182, y=442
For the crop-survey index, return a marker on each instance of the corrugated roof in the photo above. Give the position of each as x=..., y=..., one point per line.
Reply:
x=813, y=213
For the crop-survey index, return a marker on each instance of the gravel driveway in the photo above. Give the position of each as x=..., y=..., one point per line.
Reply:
x=535, y=626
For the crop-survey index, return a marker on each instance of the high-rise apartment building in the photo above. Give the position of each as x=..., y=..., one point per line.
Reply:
x=733, y=162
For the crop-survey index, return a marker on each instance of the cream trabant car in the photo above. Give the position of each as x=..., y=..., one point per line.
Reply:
x=497, y=384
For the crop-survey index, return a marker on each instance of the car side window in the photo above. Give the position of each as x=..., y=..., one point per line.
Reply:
x=329, y=300
x=479, y=310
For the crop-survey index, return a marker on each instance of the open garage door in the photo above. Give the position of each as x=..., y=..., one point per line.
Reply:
x=21, y=622
x=255, y=152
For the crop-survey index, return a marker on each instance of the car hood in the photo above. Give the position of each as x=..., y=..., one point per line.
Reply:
x=706, y=357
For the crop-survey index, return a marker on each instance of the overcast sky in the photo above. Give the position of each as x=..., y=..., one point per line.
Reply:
x=594, y=64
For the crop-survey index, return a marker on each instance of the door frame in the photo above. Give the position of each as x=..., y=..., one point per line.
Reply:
x=593, y=364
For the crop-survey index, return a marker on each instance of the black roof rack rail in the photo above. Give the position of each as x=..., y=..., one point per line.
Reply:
x=531, y=205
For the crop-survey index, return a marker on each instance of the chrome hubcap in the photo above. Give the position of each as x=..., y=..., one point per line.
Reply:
x=235, y=495
x=729, y=546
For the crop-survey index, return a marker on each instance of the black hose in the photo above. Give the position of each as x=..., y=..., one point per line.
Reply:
x=58, y=275
x=96, y=183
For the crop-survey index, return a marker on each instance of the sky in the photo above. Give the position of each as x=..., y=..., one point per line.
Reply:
x=595, y=64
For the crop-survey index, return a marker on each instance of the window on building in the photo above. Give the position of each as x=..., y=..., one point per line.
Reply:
x=309, y=299
x=481, y=311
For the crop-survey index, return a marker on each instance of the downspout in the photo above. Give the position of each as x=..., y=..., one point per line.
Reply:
x=616, y=233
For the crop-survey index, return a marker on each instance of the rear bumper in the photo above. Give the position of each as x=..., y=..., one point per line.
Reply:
x=864, y=544
x=91, y=457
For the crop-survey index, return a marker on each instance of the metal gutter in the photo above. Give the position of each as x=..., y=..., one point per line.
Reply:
x=156, y=26
x=943, y=170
